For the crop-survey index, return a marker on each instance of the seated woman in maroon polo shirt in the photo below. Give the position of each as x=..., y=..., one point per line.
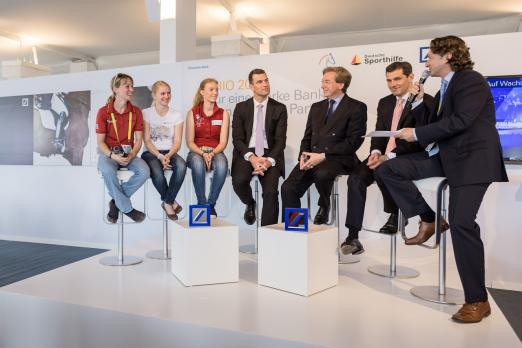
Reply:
x=207, y=137
x=119, y=128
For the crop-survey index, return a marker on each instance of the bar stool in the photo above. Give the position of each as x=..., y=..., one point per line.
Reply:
x=252, y=248
x=441, y=293
x=392, y=270
x=333, y=219
x=119, y=260
x=163, y=254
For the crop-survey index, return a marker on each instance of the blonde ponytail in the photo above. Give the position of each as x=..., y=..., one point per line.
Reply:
x=198, y=98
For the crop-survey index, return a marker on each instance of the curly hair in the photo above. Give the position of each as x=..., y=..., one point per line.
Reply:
x=460, y=58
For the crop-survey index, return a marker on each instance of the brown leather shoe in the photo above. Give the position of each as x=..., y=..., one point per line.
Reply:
x=178, y=208
x=472, y=312
x=426, y=230
x=172, y=217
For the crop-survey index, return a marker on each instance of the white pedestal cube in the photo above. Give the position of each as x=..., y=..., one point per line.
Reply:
x=205, y=255
x=299, y=262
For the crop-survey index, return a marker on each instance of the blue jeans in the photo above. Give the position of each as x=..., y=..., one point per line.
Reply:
x=121, y=193
x=196, y=163
x=168, y=192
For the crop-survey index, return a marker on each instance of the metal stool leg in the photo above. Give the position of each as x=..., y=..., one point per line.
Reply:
x=121, y=259
x=252, y=248
x=392, y=270
x=441, y=293
x=158, y=254
x=165, y=253
x=334, y=219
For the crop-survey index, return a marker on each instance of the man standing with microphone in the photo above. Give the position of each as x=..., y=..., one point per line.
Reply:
x=463, y=145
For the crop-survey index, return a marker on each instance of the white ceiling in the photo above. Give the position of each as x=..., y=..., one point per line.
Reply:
x=114, y=27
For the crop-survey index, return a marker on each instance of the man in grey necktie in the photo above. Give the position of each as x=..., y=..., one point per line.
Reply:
x=259, y=138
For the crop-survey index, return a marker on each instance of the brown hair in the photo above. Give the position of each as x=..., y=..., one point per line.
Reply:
x=342, y=75
x=198, y=98
x=460, y=58
x=404, y=66
x=116, y=82
x=155, y=87
x=255, y=72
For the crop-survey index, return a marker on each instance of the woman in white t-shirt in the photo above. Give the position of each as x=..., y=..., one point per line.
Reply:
x=163, y=129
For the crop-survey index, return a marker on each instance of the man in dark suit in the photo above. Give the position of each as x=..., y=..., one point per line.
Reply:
x=259, y=138
x=333, y=133
x=464, y=146
x=393, y=112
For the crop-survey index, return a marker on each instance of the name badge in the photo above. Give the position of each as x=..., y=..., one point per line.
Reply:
x=217, y=122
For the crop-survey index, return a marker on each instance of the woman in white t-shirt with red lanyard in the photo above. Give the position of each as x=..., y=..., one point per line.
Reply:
x=163, y=129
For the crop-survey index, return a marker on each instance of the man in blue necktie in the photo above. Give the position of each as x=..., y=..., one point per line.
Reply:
x=462, y=145
x=333, y=133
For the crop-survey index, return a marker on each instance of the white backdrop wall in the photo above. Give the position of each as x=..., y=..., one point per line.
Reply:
x=63, y=203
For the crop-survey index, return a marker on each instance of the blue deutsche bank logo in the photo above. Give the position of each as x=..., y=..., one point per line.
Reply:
x=423, y=54
x=296, y=219
x=199, y=215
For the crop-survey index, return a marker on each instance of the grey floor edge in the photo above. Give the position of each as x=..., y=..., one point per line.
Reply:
x=28, y=321
x=510, y=302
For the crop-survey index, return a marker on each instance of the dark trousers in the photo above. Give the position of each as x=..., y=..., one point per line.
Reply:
x=397, y=176
x=464, y=204
x=241, y=177
x=322, y=175
x=358, y=182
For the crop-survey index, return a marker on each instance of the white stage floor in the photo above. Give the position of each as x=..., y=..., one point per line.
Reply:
x=86, y=304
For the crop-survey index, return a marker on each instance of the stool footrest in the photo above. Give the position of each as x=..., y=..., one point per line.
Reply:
x=159, y=255
x=400, y=271
x=431, y=294
x=115, y=261
x=248, y=249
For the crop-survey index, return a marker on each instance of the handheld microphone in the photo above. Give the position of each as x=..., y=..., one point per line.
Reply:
x=423, y=78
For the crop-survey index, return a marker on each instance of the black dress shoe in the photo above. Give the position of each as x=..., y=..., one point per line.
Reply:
x=213, y=213
x=322, y=216
x=136, y=215
x=112, y=215
x=352, y=246
x=250, y=213
x=392, y=225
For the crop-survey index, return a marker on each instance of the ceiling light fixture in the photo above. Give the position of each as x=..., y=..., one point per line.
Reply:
x=168, y=9
x=26, y=40
x=239, y=12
